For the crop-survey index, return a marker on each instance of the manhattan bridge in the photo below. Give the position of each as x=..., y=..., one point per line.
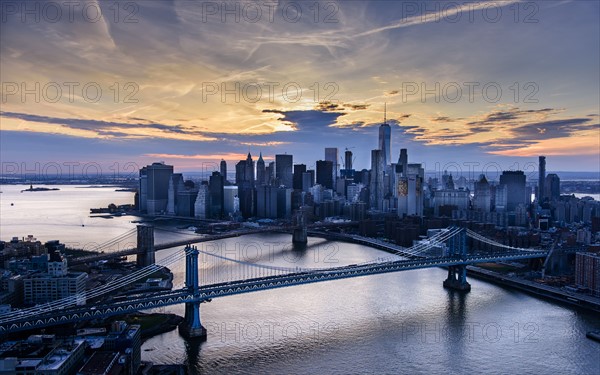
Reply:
x=214, y=277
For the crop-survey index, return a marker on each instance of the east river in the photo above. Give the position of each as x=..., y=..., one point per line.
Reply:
x=400, y=323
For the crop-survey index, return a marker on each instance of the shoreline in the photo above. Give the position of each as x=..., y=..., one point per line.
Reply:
x=542, y=291
x=169, y=322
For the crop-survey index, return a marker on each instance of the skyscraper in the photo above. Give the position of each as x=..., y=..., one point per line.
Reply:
x=283, y=170
x=385, y=135
x=403, y=162
x=331, y=154
x=240, y=172
x=202, y=203
x=324, y=173
x=266, y=202
x=376, y=184
x=217, y=198
x=541, y=179
x=230, y=195
x=299, y=169
x=223, y=168
x=270, y=173
x=186, y=199
x=416, y=176
x=284, y=202
x=308, y=180
x=260, y=171
x=250, y=170
x=175, y=186
x=516, y=194
x=482, y=199
x=552, y=186
x=244, y=178
x=154, y=187
x=348, y=160
x=244, y=171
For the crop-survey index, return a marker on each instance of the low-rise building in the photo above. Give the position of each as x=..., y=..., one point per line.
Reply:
x=43, y=287
x=41, y=355
x=56, y=283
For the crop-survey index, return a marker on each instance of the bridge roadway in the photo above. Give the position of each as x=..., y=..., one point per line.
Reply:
x=371, y=242
x=168, y=245
x=191, y=241
x=207, y=292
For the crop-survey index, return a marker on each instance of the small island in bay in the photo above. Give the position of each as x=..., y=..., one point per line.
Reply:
x=31, y=188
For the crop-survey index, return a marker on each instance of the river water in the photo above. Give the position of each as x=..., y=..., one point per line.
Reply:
x=404, y=322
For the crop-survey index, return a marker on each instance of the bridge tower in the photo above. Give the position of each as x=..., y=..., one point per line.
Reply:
x=300, y=235
x=457, y=275
x=145, y=245
x=191, y=327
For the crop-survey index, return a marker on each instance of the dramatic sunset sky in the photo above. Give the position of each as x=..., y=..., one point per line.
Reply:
x=348, y=59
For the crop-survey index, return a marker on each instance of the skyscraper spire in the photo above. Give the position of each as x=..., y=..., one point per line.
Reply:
x=260, y=171
x=385, y=112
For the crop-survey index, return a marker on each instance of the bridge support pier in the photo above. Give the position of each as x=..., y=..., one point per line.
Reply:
x=145, y=245
x=457, y=278
x=191, y=327
x=300, y=235
x=457, y=275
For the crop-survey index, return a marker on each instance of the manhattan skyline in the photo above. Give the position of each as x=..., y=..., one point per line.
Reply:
x=473, y=82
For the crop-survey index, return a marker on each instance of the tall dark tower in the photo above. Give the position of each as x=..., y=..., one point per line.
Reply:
x=552, y=186
x=270, y=173
x=325, y=174
x=376, y=184
x=331, y=154
x=217, y=197
x=385, y=135
x=284, y=170
x=250, y=170
x=515, y=185
x=223, y=168
x=260, y=171
x=244, y=178
x=403, y=162
x=541, y=179
x=299, y=170
x=348, y=160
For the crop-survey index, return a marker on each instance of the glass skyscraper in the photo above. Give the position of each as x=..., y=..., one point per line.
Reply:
x=385, y=135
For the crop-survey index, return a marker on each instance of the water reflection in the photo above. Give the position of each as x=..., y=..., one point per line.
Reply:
x=192, y=354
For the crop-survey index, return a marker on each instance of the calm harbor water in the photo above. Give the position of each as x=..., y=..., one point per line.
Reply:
x=397, y=323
